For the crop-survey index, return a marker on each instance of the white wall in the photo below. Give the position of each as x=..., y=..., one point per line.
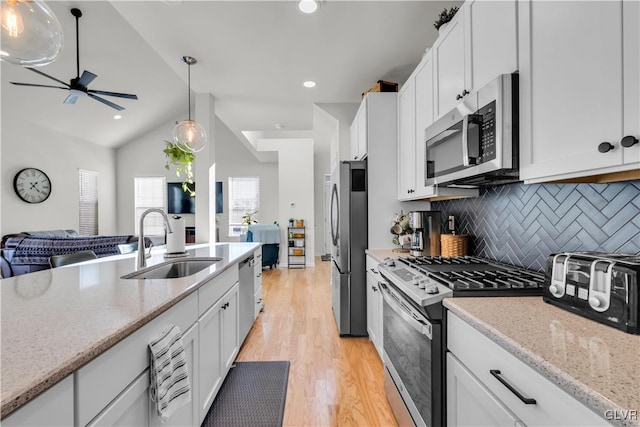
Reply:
x=233, y=159
x=295, y=185
x=144, y=157
x=26, y=144
x=344, y=113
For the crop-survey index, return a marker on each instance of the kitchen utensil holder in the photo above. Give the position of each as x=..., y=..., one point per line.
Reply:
x=453, y=245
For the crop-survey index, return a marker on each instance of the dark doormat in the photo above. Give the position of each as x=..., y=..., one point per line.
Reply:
x=325, y=257
x=253, y=394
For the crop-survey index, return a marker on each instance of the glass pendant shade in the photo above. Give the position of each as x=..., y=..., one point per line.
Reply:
x=31, y=33
x=189, y=135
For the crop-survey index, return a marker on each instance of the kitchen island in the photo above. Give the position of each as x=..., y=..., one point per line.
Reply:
x=597, y=365
x=54, y=322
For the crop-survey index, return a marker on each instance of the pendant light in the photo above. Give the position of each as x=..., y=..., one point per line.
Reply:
x=31, y=33
x=189, y=135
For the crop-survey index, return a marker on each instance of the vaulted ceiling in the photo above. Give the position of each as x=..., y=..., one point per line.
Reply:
x=252, y=57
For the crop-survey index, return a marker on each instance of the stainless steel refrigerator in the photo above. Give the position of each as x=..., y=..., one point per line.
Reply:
x=349, y=241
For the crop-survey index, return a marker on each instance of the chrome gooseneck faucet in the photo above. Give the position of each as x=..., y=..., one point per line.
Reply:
x=142, y=260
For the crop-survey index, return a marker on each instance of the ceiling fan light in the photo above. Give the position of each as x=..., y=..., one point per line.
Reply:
x=31, y=33
x=189, y=135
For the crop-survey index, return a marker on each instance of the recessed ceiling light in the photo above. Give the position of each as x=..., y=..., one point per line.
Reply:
x=309, y=83
x=117, y=117
x=307, y=6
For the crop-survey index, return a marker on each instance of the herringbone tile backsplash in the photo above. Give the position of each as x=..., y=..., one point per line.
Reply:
x=522, y=224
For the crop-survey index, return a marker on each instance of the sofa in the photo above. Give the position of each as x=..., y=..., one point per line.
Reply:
x=27, y=252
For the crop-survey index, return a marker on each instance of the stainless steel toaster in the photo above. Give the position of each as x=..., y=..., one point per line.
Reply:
x=600, y=286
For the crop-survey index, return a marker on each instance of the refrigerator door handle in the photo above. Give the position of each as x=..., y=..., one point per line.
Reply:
x=335, y=202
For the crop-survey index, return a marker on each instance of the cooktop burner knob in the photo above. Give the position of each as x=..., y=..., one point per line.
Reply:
x=422, y=283
x=433, y=289
x=415, y=281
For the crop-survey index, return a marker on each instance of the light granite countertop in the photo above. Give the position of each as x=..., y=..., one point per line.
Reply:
x=381, y=254
x=55, y=321
x=595, y=363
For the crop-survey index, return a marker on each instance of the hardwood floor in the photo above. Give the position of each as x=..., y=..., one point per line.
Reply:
x=333, y=381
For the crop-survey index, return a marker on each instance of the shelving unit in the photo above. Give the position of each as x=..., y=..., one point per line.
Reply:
x=296, y=250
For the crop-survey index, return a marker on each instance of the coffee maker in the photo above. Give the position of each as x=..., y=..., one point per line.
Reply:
x=425, y=240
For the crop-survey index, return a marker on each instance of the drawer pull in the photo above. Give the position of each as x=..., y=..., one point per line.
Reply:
x=374, y=271
x=526, y=400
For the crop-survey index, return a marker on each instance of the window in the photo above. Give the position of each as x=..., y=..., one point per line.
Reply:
x=244, y=197
x=88, y=202
x=150, y=193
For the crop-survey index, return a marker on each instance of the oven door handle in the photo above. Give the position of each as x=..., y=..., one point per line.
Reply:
x=465, y=141
x=422, y=327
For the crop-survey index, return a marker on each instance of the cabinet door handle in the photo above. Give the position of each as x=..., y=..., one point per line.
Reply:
x=605, y=147
x=458, y=97
x=525, y=400
x=374, y=289
x=629, y=141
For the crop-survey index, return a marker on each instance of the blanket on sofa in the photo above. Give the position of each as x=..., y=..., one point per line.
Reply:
x=37, y=250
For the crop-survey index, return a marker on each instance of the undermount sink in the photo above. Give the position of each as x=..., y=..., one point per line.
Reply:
x=173, y=269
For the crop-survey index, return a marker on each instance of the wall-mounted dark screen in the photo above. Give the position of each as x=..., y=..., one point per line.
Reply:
x=179, y=201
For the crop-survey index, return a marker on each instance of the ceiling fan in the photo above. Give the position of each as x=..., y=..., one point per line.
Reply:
x=78, y=86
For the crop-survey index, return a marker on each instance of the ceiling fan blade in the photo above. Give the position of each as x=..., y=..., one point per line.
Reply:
x=31, y=84
x=48, y=76
x=104, y=101
x=71, y=99
x=120, y=95
x=86, y=78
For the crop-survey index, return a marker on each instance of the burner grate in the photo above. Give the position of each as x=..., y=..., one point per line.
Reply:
x=468, y=273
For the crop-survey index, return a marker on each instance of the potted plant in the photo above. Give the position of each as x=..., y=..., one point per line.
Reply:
x=291, y=220
x=182, y=160
x=445, y=17
x=247, y=220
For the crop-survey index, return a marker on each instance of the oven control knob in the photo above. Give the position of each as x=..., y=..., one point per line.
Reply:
x=596, y=301
x=415, y=281
x=433, y=289
x=422, y=283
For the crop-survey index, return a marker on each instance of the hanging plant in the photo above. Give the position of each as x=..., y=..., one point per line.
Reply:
x=182, y=160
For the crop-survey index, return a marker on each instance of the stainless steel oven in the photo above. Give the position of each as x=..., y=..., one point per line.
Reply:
x=413, y=332
x=413, y=362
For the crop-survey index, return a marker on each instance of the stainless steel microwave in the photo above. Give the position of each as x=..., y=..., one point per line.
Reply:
x=476, y=144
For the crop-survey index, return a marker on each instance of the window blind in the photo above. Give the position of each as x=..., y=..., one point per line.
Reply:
x=88, y=202
x=150, y=193
x=244, y=197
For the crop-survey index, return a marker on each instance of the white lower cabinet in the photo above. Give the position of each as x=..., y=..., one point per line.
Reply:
x=219, y=335
x=487, y=384
x=374, y=304
x=105, y=386
x=133, y=407
x=54, y=407
x=469, y=403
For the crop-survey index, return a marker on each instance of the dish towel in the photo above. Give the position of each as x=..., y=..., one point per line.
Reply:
x=170, y=388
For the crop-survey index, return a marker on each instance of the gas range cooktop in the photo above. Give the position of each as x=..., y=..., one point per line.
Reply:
x=477, y=274
x=427, y=280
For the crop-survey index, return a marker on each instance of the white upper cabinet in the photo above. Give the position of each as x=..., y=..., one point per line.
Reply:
x=449, y=56
x=358, y=141
x=479, y=44
x=492, y=42
x=406, y=140
x=579, y=88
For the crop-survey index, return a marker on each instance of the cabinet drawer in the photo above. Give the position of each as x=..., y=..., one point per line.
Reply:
x=480, y=355
x=212, y=291
x=99, y=382
x=257, y=297
x=372, y=267
x=54, y=407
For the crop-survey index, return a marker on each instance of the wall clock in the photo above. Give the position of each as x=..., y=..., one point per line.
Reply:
x=32, y=185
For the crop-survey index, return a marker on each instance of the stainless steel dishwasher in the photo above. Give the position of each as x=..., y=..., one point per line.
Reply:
x=245, y=296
